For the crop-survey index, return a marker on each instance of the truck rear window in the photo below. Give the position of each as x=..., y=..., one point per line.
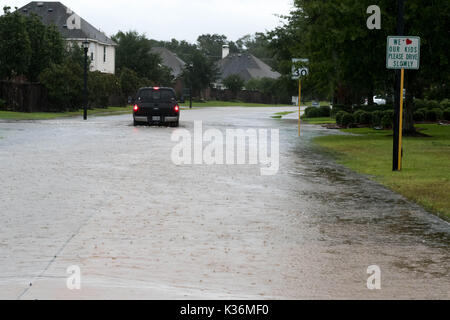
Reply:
x=150, y=95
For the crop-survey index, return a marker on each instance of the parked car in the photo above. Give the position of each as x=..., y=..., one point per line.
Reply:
x=155, y=105
x=378, y=100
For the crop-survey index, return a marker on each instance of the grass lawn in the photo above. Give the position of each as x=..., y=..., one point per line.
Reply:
x=53, y=115
x=425, y=177
x=279, y=115
x=323, y=120
x=227, y=104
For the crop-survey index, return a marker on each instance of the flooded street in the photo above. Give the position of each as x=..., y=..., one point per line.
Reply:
x=105, y=196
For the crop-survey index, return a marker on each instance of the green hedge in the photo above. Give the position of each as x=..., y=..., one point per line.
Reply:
x=313, y=112
x=447, y=114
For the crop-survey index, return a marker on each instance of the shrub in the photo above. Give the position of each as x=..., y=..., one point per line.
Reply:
x=2, y=104
x=365, y=117
x=376, y=118
x=339, y=117
x=234, y=83
x=431, y=115
x=446, y=114
x=424, y=111
x=357, y=115
x=419, y=115
x=433, y=104
x=420, y=104
x=439, y=113
x=445, y=104
x=312, y=112
x=101, y=86
x=387, y=119
x=348, y=120
x=64, y=84
x=325, y=111
x=340, y=107
x=362, y=117
x=426, y=104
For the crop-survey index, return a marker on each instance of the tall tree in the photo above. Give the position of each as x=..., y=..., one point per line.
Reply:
x=199, y=73
x=15, y=45
x=347, y=60
x=47, y=46
x=134, y=52
x=211, y=45
x=257, y=45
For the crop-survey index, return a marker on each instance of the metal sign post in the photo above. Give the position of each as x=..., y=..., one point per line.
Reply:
x=299, y=102
x=297, y=74
x=401, y=53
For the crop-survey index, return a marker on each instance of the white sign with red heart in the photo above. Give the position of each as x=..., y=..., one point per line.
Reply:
x=403, y=52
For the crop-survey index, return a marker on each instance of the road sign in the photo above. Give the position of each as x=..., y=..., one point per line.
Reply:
x=403, y=52
x=298, y=71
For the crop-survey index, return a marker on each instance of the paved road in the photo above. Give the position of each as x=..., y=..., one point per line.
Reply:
x=105, y=196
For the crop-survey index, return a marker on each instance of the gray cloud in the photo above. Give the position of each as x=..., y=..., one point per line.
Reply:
x=180, y=19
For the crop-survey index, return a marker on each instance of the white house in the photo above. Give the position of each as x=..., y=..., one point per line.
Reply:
x=75, y=30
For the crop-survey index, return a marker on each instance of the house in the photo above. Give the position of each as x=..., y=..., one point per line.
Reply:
x=175, y=64
x=75, y=30
x=246, y=65
x=170, y=60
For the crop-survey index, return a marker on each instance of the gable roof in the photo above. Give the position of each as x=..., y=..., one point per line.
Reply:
x=69, y=24
x=247, y=66
x=170, y=60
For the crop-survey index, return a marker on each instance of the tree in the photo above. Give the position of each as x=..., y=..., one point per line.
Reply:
x=75, y=54
x=183, y=49
x=199, y=72
x=211, y=45
x=64, y=84
x=47, y=46
x=27, y=46
x=257, y=45
x=129, y=82
x=347, y=60
x=234, y=83
x=134, y=52
x=15, y=45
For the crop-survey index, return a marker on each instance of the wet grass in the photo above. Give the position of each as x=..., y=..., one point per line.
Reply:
x=322, y=120
x=279, y=115
x=425, y=178
x=10, y=115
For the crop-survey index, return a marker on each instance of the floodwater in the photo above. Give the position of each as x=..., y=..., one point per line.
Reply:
x=105, y=196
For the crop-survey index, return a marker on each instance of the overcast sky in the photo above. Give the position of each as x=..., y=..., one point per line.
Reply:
x=179, y=19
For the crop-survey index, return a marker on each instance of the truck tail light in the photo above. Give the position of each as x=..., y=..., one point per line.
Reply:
x=135, y=108
x=177, y=108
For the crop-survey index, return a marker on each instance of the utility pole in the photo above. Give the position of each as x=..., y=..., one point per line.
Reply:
x=85, y=47
x=397, y=153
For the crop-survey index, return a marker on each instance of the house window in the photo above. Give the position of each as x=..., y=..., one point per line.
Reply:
x=104, y=54
x=92, y=56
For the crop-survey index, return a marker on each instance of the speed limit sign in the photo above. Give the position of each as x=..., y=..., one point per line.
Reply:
x=298, y=68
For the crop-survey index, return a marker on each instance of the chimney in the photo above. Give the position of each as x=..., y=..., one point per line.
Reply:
x=225, y=51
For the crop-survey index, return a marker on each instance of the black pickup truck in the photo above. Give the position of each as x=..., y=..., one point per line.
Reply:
x=155, y=105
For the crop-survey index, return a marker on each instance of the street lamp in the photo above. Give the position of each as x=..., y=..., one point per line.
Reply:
x=85, y=45
x=191, y=68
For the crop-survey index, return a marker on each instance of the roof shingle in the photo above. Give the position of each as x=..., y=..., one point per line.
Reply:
x=69, y=24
